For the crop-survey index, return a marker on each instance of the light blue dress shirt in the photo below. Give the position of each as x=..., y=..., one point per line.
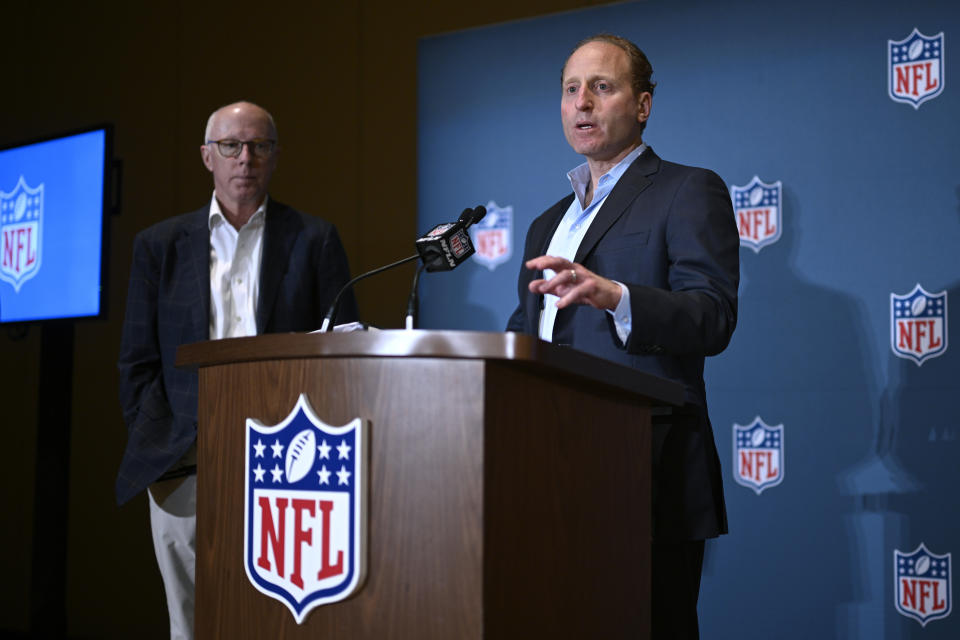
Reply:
x=569, y=234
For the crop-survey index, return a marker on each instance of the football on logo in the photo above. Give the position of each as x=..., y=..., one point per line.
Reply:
x=305, y=509
x=918, y=324
x=915, y=71
x=923, y=589
x=492, y=236
x=757, y=207
x=758, y=455
x=21, y=229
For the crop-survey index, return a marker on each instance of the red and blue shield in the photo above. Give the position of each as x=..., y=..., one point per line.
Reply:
x=492, y=236
x=915, y=68
x=305, y=513
x=21, y=229
x=758, y=455
x=918, y=324
x=757, y=207
x=923, y=590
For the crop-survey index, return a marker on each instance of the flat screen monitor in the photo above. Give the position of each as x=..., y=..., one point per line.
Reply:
x=53, y=226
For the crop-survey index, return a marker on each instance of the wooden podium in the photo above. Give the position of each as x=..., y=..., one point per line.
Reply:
x=509, y=484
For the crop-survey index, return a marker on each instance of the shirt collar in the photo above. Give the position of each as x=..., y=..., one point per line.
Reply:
x=216, y=216
x=580, y=176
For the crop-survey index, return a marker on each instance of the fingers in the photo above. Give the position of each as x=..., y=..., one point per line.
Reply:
x=573, y=283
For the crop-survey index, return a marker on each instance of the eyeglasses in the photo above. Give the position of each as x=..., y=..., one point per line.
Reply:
x=260, y=147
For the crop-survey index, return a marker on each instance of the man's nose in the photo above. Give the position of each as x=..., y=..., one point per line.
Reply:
x=246, y=152
x=584, y=100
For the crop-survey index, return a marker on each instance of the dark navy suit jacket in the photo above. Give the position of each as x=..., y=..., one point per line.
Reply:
x=303, y=265
x=668, y=233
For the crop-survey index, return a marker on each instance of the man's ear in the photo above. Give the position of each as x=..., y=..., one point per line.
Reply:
x=205, y=151
x=644, y=103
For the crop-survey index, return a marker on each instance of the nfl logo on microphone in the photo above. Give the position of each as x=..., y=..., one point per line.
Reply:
x=21, y=225
x=918, y=324
x=758, y=455
x=915, y=68
x=305, y=513
x=923, y=590
x=758, y=212
x=491, y=236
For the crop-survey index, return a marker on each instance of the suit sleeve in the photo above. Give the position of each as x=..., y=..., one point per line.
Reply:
x=143, y=398
x=518, y=319
x=697, y=314
x=336, y=273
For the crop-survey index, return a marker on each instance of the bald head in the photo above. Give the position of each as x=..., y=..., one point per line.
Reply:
x=241, y=108
x=240, y=181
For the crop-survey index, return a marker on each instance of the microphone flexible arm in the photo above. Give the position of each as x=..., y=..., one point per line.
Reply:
x=412, y=300
x=332, y=313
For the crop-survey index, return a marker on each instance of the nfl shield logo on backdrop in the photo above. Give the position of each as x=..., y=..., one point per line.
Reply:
x=923, y=589
x=758, y=455
x=759, y=214
x=915, y=68
x=918, y=324
x=21, y=226
x=492, y=236
x=305, y=513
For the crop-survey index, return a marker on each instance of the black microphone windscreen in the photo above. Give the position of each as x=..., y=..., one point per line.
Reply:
x=477, y=214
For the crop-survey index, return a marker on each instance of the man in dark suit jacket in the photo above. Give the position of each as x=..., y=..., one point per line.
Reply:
x=640, y=265
x=243, y=264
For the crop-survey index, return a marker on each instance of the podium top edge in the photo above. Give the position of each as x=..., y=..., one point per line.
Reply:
x=461, y=345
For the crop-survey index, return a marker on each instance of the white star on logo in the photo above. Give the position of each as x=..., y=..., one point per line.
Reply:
x=259, y=447
x=258, y=473
x=324, y=475
x=277, y=449
x=277, y=473
x=344, y=450
x=324, y=449
x=342, y=475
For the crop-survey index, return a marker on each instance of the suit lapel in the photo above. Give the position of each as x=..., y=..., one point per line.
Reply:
x=196, y=244
x=634, y=180
x=279, y=234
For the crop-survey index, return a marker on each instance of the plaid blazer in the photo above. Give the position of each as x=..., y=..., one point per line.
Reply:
x=303, y=266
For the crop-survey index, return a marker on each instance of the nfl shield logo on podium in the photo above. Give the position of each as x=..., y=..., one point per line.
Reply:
x=923, y=589
x=305, y=512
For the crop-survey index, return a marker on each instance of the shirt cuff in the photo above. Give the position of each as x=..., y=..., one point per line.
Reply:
x=622, y=317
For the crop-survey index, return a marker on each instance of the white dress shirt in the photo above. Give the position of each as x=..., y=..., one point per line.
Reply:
x=234, y=272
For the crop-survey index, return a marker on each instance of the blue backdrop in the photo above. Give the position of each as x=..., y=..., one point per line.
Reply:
x=868, y=464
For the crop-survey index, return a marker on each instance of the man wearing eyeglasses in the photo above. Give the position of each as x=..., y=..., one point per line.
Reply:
x=241, y=265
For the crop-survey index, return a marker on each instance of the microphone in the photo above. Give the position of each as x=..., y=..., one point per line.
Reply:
x=448, y=245
x=445, y=246
x=335, y=305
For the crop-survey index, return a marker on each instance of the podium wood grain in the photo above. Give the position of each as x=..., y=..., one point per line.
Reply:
x=508, y=498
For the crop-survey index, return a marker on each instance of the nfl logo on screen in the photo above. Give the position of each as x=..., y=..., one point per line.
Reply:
x=915, y=68
x=305, y=514
x=758, y=455
x=923, y=590
x=918, y=324
x=491, y=236
x=21, y=223
x=757, y=207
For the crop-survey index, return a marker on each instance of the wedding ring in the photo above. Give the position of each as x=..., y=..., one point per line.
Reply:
x=573, y=275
